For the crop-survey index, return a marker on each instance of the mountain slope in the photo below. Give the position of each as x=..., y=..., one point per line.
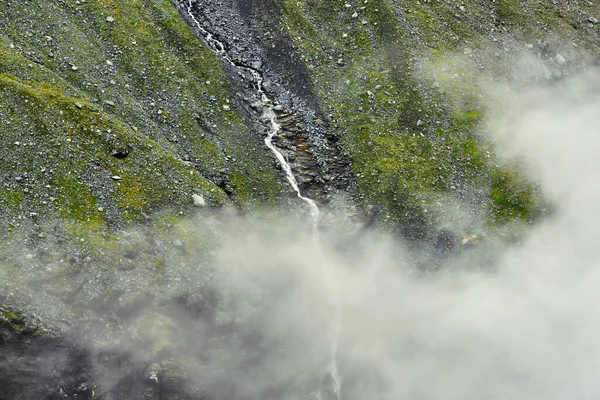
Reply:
x=115, y=113
x=95, y=90
x=403, y=86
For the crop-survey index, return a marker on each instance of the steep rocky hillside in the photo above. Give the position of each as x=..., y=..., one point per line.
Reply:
x=114, y=109
x=119, y=121
x=402, y=88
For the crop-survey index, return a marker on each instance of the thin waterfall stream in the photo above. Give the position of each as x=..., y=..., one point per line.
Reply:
x=270, y=116
x=268, y=110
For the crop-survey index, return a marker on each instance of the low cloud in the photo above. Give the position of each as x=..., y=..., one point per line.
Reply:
x=258, y=309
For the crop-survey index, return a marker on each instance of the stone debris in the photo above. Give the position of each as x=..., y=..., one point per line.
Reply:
x=198, y=200
x=470, y=241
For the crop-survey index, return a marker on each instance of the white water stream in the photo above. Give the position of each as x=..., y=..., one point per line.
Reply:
x=270, y=115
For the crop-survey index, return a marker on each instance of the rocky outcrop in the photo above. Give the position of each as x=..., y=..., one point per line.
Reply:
x=42, y=366
x=316, y=174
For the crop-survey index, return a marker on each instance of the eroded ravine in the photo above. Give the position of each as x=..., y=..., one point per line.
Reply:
x=265, y=102
x=269, y=115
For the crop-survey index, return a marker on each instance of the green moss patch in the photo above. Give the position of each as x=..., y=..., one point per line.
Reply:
x=15, y=320
x=513, y=199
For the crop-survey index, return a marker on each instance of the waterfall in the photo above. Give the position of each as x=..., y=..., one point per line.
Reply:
x=268, y=111
x=269, y=115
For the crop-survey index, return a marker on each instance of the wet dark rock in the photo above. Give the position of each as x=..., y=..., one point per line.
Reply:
x=42, y=366
x=39, y=366
x=445, y=241
x=120, y=154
